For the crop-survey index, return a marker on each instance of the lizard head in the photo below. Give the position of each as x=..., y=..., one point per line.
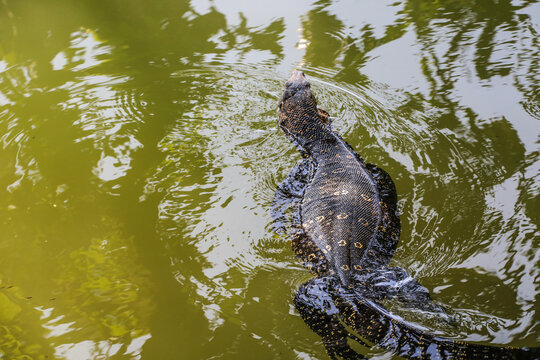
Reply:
x=299, y=116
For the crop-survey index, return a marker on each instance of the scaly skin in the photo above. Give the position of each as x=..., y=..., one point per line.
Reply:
x=345, y=230
x=348, y=209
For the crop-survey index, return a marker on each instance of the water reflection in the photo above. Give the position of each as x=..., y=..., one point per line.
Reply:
x=140, y=156
x=89, y=123
x=467, y=147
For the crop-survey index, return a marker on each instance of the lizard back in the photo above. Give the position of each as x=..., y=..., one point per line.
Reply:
x=345, y=210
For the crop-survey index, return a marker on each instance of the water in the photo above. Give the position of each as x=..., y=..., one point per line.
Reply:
x=140, y=154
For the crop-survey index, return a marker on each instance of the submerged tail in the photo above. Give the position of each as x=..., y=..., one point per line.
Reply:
x=326, y=307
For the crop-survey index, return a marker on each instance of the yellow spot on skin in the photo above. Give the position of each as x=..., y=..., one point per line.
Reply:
x=363, y=221
x=345, y=267
x=357, y=267
x=342, y=216
x=330, y=213
x=358, y=245
x=365, y=197
x=342, y=243
x=319, y=218
x=342, y=192
x=311, y=256
x=328, y=247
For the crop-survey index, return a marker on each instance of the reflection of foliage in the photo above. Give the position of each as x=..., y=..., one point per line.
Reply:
x=331, y=44
x=11, y=346
x=499, y=24
x=8, y=309
x=56, y=116
x=461, y=151
x=103, y=283
x=463, y=17
x=245, y=39
x=496, y=26
x=530, y=187
x=106, y=286
x=487, y=29
x=321, y=30
x=21, y=334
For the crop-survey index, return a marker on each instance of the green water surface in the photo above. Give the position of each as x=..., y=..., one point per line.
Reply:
x=139, y=155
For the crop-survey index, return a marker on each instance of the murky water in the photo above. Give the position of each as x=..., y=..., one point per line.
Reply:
x=140, y=154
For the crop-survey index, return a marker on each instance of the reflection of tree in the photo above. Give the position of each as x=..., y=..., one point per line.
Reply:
x=500, y=26
x=487, y=151
x=466, y=156
x=321, y=30
x=255, y=39
x=44, y=125
x=491, y=18
x=476, y=148
x=330, y=44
